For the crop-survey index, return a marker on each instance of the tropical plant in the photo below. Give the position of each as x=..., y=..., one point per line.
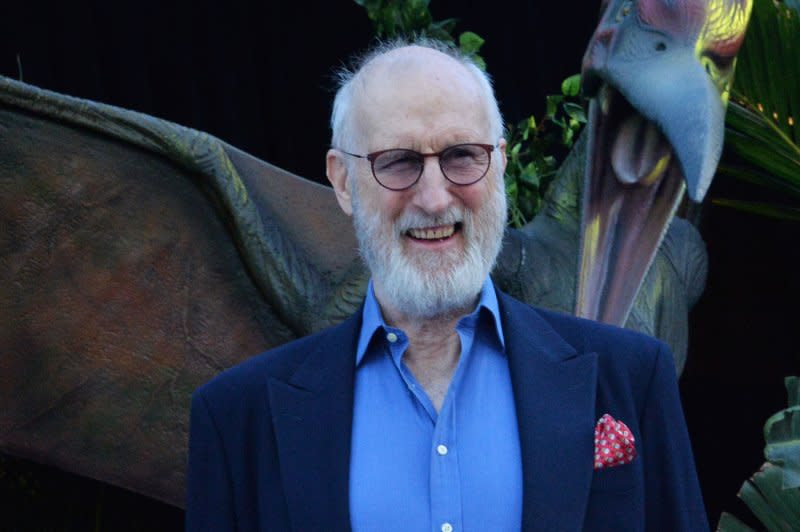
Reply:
x=394, y=18
x=536, y=150
x=762, y=140
x=773, y=492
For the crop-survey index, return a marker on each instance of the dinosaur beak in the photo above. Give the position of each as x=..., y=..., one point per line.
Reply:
x=656, y=126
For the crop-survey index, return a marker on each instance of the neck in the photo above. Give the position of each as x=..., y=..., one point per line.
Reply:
x=431, y=338
x=434, y=346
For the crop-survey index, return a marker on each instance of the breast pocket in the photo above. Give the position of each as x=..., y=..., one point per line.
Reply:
x=616, y=499
x=615, y=479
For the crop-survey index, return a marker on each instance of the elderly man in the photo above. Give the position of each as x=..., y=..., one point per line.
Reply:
x=443, y=404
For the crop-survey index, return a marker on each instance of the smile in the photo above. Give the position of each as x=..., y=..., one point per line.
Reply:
x=434, y=233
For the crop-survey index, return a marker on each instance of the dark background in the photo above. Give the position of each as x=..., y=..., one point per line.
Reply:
x=258, y=76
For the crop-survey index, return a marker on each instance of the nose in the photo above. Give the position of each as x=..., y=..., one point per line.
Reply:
x=432, y=192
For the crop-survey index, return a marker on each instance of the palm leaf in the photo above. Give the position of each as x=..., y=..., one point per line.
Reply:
x=729, y=523
x=764, y=209
x=762, y=133
x=773, y=493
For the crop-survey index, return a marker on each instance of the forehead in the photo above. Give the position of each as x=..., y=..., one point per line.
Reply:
x=417, y=95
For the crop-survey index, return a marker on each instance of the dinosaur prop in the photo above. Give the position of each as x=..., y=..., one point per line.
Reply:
x=139, y=258
x=660, y=73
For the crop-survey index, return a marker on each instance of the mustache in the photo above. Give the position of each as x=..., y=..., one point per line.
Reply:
x=417, y=220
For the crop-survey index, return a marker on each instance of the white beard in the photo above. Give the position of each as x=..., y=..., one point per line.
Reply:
x=432, y=283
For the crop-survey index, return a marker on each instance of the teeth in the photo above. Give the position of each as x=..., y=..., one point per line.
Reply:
x=436, y=233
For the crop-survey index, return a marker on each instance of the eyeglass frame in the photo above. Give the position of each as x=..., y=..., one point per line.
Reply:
x=374, y=155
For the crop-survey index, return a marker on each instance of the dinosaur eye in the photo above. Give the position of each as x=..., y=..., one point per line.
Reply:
x=660, y=46
x=721, y=62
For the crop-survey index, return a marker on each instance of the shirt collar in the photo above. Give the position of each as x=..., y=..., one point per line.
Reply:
x=372, y=319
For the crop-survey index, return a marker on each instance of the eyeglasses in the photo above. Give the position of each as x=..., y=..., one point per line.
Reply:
x=399, y=169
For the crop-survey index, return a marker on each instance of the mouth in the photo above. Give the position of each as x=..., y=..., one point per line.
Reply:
x=437, y=233
x=634, y=182
x=640, y=153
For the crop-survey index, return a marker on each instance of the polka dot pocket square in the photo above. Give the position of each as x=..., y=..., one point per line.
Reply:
x=613, y=443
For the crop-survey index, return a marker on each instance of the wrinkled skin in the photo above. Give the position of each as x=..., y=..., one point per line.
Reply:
x=141, y=257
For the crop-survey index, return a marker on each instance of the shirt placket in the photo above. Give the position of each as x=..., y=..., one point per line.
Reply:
x=445, y=475
x=446, y=502
x=445, y=480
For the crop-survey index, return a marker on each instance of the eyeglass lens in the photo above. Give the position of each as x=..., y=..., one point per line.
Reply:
x=462, y=164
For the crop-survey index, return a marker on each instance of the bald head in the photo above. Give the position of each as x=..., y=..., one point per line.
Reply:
x=400, y=78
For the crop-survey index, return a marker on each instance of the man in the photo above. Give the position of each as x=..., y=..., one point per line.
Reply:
x=443, y=404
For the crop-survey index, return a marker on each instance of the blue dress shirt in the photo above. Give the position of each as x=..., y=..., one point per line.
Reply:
x=414, y=470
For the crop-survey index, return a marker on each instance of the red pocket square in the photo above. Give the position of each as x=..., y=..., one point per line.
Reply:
x=613, y=443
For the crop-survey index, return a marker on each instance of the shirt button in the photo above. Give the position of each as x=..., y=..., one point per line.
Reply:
x=392, y=337
x=447, y=527
x=442, y=450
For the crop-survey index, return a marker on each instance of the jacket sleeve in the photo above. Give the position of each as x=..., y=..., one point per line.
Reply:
x=673, y=500
x=209, y=490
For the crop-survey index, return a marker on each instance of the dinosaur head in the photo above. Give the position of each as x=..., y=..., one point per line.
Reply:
x=659, y=74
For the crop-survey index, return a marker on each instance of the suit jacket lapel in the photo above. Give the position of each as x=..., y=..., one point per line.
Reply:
x=312, y=415
x=554, y=391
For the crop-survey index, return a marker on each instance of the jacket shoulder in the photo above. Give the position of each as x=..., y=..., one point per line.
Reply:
x=280, y=362
x=619, y=350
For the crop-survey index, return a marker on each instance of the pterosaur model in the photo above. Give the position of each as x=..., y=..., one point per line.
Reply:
x=138, y=258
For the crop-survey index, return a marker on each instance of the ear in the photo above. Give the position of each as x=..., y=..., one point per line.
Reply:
x=501, y=149
x=336, y=170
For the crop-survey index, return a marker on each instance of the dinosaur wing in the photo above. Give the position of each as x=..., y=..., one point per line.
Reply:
x=138, y=259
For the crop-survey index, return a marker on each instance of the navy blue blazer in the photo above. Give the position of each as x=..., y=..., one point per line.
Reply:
x=270, y=438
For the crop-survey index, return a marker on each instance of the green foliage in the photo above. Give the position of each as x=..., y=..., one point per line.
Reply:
x=393, y=18
x=412, y=18
x=470, y=43
x=535, y=149
x=773, y=493
x=782, y=433
x=763, y=121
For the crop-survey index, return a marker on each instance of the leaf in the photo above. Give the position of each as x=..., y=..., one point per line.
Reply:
x=793, y=390
x=729, y=523
x=764, y=209
x=768, y=67
x=552, y=105
x=479, y=61
x=576, y=112
x=571, y=86
x=757, y=176
x=758, y=141
x=762, y=143
x=470, y=42
x=529, y=175
x=782, y=433
x=567, y=136
x=773, y=493
x=752, y=495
